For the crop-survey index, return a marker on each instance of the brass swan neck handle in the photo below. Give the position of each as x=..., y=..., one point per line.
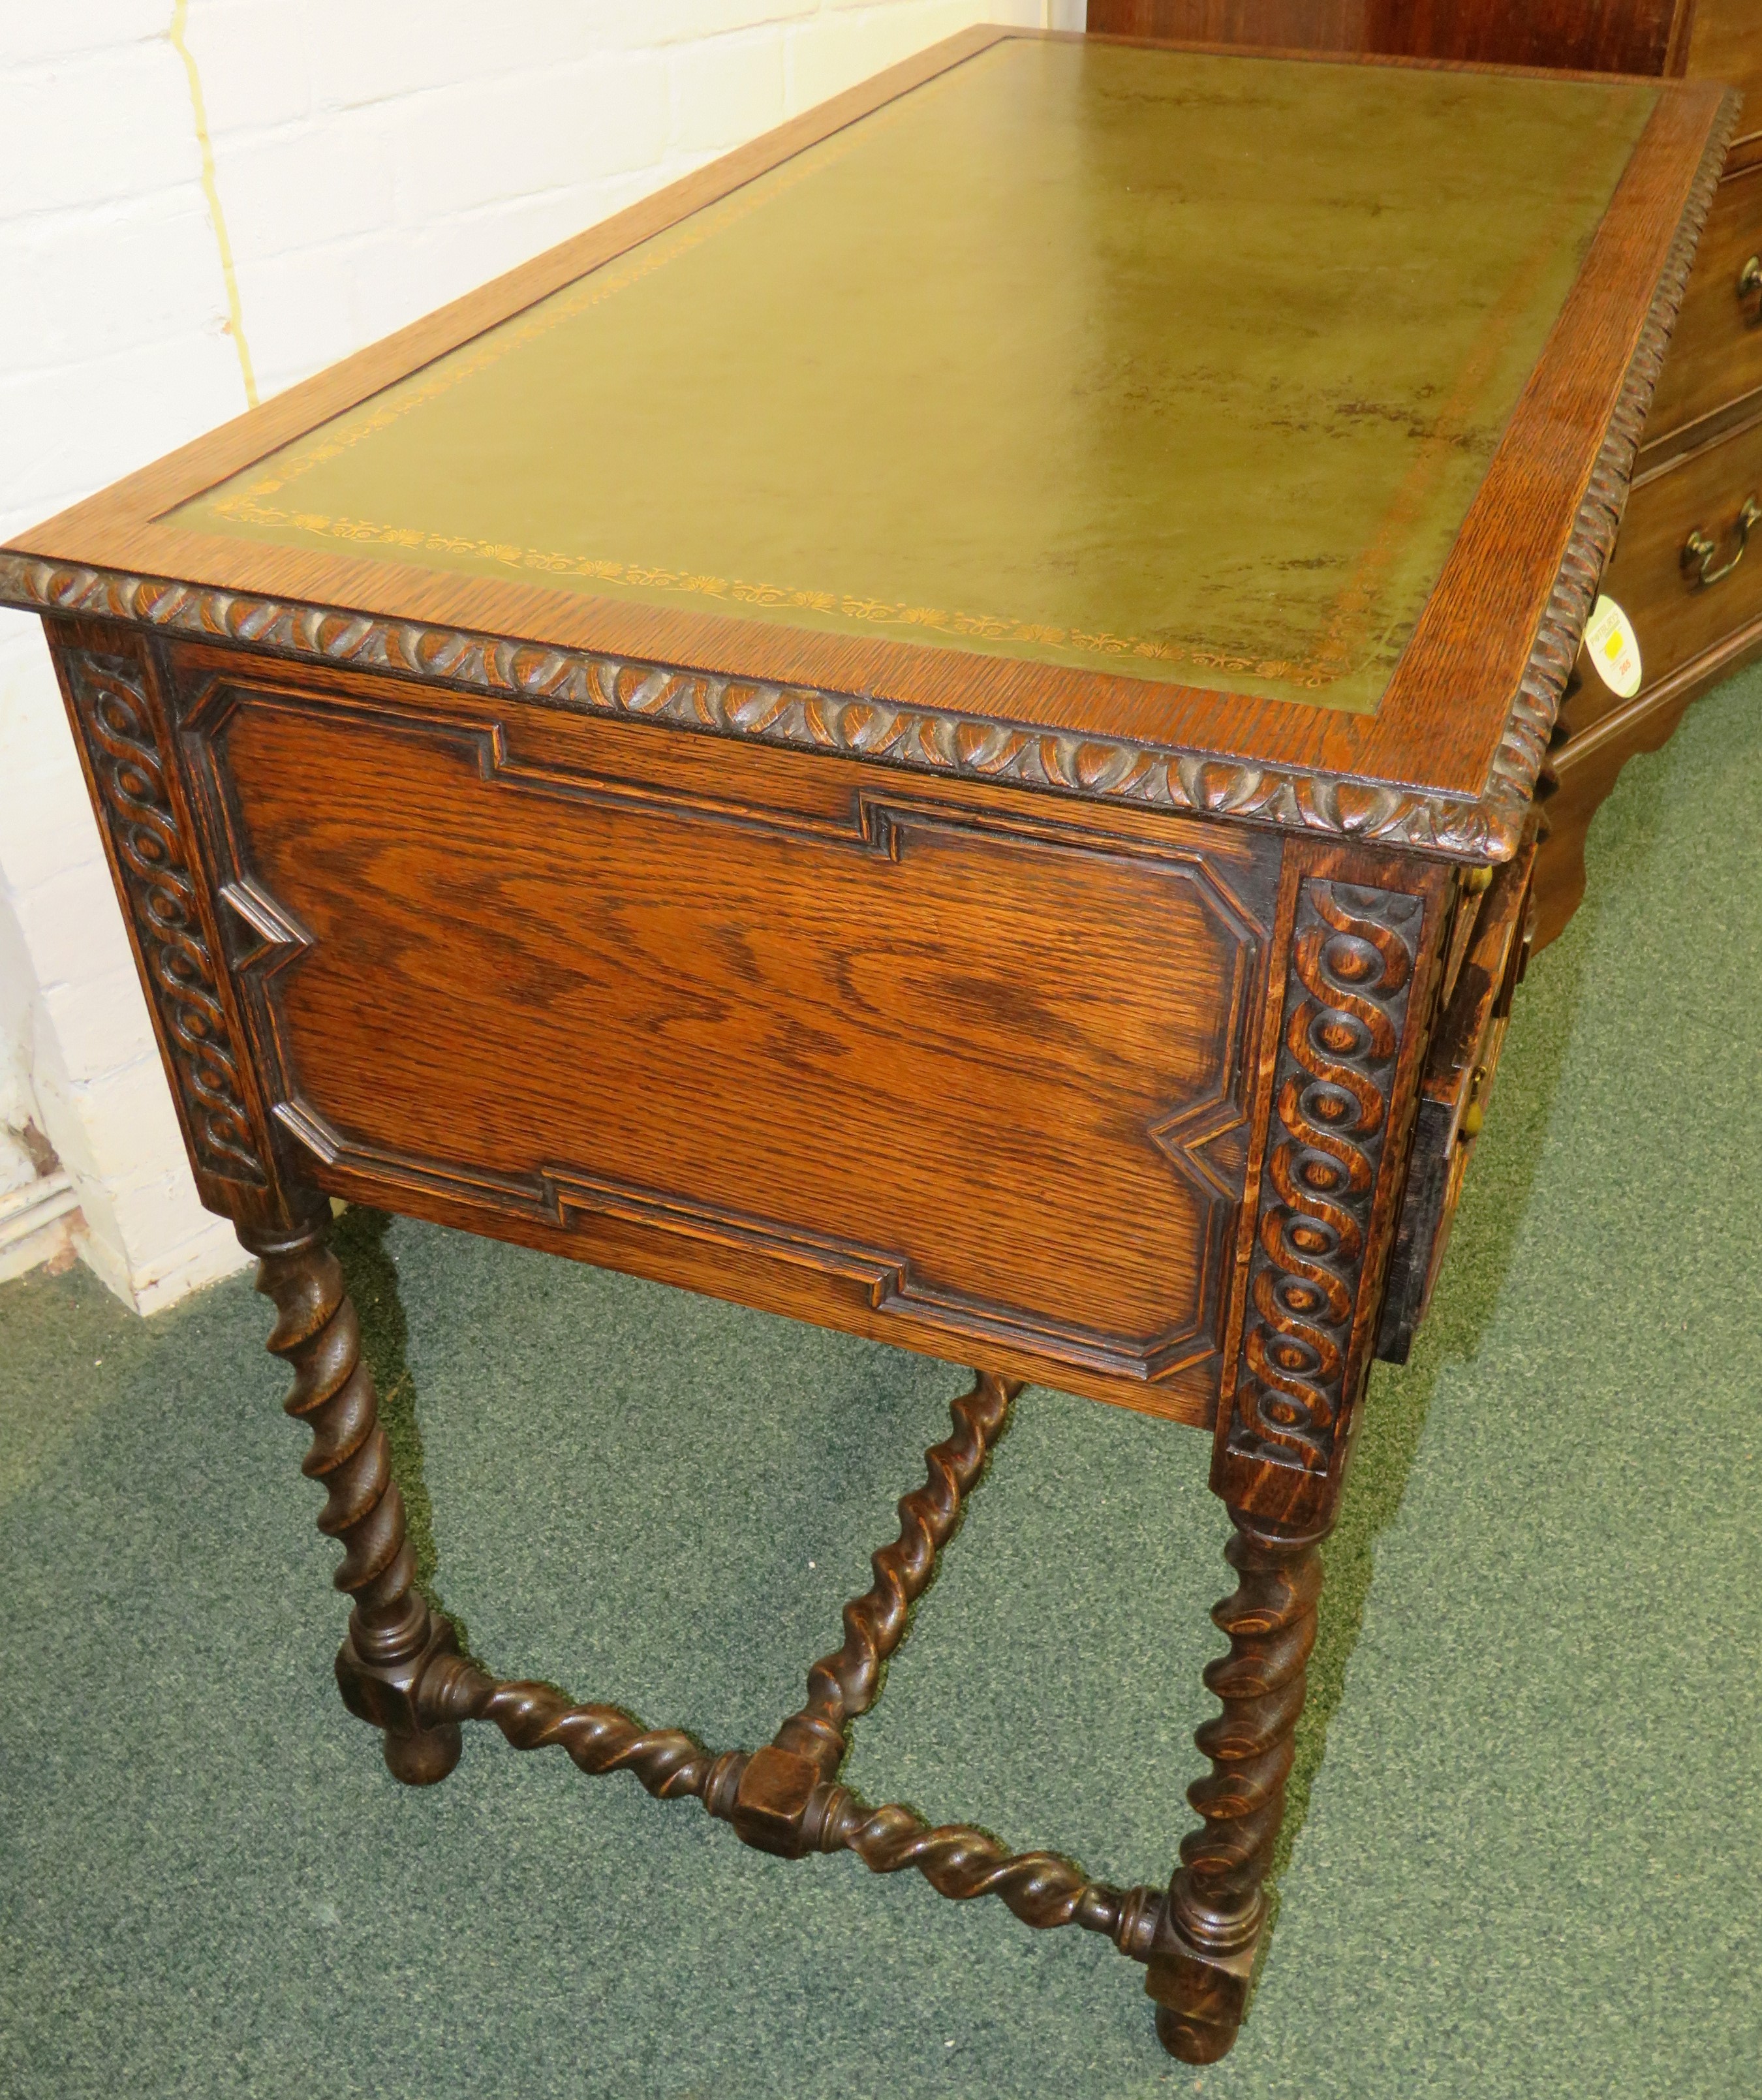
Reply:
x=1700, y=554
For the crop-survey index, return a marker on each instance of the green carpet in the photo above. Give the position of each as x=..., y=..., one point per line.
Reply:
x=1523, y=1854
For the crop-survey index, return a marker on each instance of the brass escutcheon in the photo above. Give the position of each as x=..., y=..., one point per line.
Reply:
x=1749, y=283
x=1700, y=554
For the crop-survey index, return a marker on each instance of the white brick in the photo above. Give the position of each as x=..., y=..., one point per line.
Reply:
x=47, y=827
x=369, y=51
x=506, y=138
x=63, y=435
x=837, y=50
x=116, y=125
x=130, y=1124
x=455, y=257
x=59, y=1105
x=415, y=269
x=34, y=736
x=255, y=63
x=99, y=1240
x=103, y=1023
x=297, y=189
x=161, y=1212
x=298, y=314
x=727, y=91
x=71, y=925
x=17, y=1100
x=680, y=21
x=34, y=34
x=212, y=1251
x=121, y=276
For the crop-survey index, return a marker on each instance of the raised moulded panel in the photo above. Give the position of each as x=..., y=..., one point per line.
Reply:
x=965, y=1072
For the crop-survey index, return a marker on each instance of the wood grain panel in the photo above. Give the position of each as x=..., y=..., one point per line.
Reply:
x=1600, y=36
x=954, y=1062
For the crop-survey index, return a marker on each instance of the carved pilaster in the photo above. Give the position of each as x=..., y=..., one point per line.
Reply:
x=153, y=864
x=1353, y=950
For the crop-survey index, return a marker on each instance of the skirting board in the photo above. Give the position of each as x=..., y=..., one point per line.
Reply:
x=36, y=1224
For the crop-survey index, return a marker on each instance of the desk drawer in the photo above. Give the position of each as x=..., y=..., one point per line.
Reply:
x=1656, y=578
x=1715, y=355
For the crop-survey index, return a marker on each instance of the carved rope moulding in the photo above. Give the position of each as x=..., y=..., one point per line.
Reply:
x=925, y=740
x=150, y=852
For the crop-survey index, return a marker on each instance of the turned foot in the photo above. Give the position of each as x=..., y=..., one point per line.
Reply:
x=422, y=1759
x=1193, y=2041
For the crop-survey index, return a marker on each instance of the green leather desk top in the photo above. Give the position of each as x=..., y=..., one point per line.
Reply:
x=1178, y=366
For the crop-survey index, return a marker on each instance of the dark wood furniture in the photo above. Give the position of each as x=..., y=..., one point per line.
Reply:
x=730, y=754
x=1682, y=572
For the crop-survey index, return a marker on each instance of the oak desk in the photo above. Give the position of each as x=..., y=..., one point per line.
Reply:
x=934, y=730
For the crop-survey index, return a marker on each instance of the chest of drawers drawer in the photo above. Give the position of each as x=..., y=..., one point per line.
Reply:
x=1684, y=571
x=1715, y=355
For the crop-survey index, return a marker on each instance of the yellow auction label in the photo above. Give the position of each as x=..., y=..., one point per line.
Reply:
x=1612, y=646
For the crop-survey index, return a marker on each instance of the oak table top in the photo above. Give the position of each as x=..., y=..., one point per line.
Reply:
x=934, y=731
x=1177, y=404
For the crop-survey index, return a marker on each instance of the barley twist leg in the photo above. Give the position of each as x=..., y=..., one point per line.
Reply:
x=1200, y=1972
x=666, y=1761
x=842, y=1686
x=393, y=1636
x=1043, y=1889
x=778, y=1782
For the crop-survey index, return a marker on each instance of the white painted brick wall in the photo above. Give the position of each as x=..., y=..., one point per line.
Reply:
x=372, y=159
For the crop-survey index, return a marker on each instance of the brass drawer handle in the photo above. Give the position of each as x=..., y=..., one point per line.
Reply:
x=1750, y=282
x=1699, y=553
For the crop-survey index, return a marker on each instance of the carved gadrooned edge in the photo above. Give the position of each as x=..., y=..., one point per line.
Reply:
x=1518, y=763
x=153, y=858
x=1353, y=951
x=923, y=740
